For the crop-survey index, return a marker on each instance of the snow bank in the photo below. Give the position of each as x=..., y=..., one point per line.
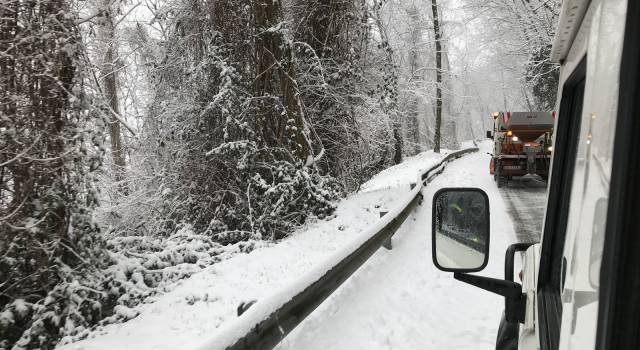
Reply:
x=263, y=308
x=405, y=172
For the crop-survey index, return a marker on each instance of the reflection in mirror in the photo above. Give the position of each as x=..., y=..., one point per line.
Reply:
x=461, y=229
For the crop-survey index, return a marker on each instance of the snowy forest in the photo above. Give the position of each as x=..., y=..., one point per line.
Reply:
x=144, y=140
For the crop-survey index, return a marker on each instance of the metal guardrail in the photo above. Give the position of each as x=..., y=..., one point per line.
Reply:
x=268, y=332
x=462, y=239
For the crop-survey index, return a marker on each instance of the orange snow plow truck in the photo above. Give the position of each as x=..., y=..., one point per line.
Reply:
x=522, y=144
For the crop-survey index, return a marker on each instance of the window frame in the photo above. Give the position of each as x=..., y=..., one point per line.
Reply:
x=567, y=134
x=619, y=306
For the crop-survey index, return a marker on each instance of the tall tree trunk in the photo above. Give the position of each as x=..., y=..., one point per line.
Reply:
x=47, y=235
x=325, y=26
x=110, y=86
x=397, y=136
x=390, y=88
x=278, y=124
x=438, y=38
x=449, y=138
x=414, y=64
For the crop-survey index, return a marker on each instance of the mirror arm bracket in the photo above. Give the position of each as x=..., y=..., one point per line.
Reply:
x=512, y=291
x=507, y=289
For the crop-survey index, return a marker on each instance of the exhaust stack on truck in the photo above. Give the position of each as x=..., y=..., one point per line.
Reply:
x=522, y=144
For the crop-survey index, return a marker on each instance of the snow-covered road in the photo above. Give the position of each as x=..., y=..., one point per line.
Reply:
x=398, y=300
x=526, y=198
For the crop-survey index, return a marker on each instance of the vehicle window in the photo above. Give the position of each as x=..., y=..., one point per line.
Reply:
x=590, y=190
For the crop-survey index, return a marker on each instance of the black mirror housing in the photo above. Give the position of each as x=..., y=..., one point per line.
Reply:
x=460, y=229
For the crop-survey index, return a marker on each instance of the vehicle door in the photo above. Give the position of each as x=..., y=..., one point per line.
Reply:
x=574, y=232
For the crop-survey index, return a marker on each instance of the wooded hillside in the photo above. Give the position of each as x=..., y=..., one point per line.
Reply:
x=143, y=140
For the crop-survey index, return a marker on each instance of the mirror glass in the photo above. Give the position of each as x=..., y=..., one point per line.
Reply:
x=460, y=229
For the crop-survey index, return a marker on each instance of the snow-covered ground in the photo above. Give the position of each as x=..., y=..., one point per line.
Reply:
x=195, y=310
x=399, y=300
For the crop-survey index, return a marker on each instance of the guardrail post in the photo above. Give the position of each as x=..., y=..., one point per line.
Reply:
x=244, y=306
x=387, y=242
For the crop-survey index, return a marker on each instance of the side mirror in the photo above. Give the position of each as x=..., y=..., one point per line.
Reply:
x=460, y=229
x=489, y=134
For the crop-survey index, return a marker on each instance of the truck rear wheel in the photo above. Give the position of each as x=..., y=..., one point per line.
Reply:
x=497, y=175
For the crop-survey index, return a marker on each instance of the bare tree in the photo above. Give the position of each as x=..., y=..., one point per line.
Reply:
x=415, y=76
x=389, y=87
x=109, y=83
x=438, y=43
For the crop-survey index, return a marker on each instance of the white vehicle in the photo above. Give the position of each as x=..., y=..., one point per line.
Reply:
x=581, y=283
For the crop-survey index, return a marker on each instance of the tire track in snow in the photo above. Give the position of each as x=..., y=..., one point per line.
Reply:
x=526, y=200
